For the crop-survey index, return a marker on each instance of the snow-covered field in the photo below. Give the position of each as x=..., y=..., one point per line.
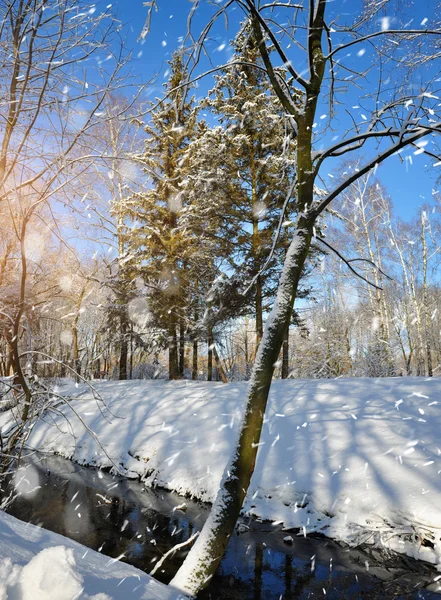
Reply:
x=356, y=459
x=36, y=564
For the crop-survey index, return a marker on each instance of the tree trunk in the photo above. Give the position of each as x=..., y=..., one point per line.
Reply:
x=285, y=354
x=76, y=353
x=181, y=348
x=256, y=245
x=247, y=357
x=220, y=369
x=203, y=560
x=76, y=350
x=259, y=318
x=194, y=371
x=172, y=352
x=409, y=365
x=426, y=299
x=131, y=352
x=123, y=352
x=210, y=355
x=429, y=357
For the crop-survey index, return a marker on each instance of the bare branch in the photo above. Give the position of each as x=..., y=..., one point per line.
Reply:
x=347, y=263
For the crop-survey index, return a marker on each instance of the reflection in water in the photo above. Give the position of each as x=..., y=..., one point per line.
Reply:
x=258, y=569
x=118, y=517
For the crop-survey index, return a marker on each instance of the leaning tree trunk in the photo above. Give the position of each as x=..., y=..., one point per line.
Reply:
x=203, y=560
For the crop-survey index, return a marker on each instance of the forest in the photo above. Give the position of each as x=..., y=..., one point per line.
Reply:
x=199, y=201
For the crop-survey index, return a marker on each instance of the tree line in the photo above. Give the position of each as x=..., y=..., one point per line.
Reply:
x=180, y=214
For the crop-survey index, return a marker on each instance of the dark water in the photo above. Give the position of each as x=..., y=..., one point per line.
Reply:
x=114, y=515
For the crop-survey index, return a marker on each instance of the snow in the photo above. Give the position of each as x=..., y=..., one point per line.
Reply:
x=355, y=459
x=36, y=564
x=385, y=23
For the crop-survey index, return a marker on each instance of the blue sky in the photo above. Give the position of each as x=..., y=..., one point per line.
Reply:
x=410, y=184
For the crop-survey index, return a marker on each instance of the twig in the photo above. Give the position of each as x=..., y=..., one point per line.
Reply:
x=347, y=263
x=95, y=394
x=172, y=551
x=373, y=264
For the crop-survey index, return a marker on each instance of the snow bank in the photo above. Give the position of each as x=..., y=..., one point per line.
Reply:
x=356, y=459
x=36, y=564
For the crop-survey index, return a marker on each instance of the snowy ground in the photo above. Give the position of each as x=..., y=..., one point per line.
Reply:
x=36, y=564
x=356, y=459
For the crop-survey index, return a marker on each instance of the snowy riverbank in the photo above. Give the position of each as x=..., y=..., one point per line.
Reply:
x=356, y=459
x=36, y=564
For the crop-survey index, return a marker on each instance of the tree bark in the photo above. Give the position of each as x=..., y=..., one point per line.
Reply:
x=247, y=358
x=131, y=352
x=194, y=371
x=76, y=351
x=123, y=346
x=172, y=352
x=219, y=366
x=210, y=355
x=181, y=348
x=259, y=317
x=285, y=354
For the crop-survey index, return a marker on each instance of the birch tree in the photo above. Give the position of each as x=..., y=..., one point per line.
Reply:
x=363, y=210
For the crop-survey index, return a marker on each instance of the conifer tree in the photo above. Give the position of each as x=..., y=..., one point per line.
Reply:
x=241, y=168
x=159, y=242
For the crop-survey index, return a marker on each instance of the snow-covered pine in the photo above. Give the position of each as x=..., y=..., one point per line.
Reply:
x=162, y=245
x=243, y=167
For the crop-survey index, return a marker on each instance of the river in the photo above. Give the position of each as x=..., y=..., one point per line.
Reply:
x=114, y=515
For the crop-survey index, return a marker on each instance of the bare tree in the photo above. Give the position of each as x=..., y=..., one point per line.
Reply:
x=52, y=96
x=109, y=187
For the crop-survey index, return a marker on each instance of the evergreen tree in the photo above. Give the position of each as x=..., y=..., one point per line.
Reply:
x=159, y=244
x=240, y=172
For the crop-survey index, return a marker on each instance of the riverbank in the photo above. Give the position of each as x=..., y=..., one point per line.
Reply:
x=126, y=521
x=357, y=460
x=36, y=564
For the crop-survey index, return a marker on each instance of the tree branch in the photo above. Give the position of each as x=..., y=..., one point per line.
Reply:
x=347, y=263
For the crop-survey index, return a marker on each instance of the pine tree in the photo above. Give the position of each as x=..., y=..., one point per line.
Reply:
x=160, y=244
x=240, y=171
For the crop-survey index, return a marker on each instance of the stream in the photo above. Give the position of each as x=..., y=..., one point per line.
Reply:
x=114, y=515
